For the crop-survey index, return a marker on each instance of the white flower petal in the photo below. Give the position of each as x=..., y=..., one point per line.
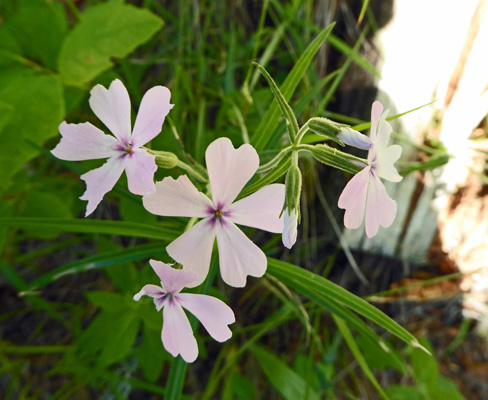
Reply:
x=193, y=249
x=380, y=208
x=376, y=111
x=353, y=199
x=140, y=168
x=383, y=133
x=261, y=209
x=385, y=161
x=177, y=198
x=100, y=181
x=172, y=279
x=152, y=112
x=213, y=313
x=85, y=142
x=177, y=335
x=149, y=290
x=238, y=255
x=112, y=107
x=229, y=169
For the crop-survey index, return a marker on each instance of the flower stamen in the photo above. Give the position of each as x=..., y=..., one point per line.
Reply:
x=218, y=214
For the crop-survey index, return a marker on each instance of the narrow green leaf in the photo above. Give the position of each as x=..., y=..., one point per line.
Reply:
x=363, y=11
x=291, y=121
x=434, y=162
x=346, y=334
x=283, y=378
x=107, y=30
x=268, y=124
x=176, y=379
x=353, y=320
x=294, y=276
x=100, y=261
x=335, y=158
x=93, y=226
x=345, y=49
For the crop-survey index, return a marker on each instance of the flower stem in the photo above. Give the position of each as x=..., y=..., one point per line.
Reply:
x=192, y=171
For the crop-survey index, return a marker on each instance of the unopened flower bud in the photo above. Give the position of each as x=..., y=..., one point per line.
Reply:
x=289, y=236
x=354, y=138
x=293, y=187
x=165, y=159
x=326, y=127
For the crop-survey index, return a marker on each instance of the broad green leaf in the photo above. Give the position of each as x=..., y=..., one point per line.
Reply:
x=348, y=337
x=404, y=392
x=107, y=30
x=425, y=367
x=110, y=336
x=150, y=359
x=133, y=211
x=44, y=204
x=36, y=109
x=303, y=281
x=123, y=274
x=93, y=226
x=39, y=27
x=291, y=121
x=268, y=123
x=111, y=302
x=286, y=381
x=444, y=389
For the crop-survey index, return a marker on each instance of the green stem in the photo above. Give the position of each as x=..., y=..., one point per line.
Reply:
x=192, y=171
x=271, y=164
x=303, y=130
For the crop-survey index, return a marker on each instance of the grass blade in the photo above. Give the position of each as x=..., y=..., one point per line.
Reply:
x=92, y=226
x=264, y=131
x=305, y=281
x=346, y=334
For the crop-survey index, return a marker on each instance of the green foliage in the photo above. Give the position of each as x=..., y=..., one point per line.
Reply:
x=47, y=24
x=112, y=29
x=35, y=109
x=283, y=378
x=263, y=132
x=51, y=53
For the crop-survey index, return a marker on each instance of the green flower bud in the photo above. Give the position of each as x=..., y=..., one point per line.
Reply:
x=293, y=188
x=165, y=159
x=327, y=128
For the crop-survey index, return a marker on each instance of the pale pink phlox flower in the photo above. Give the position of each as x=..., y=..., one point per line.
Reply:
x=123, y=150
x=229, y=169
x=177, y=335
x=365, y=195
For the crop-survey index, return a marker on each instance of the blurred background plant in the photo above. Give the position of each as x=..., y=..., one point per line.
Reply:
x=69, y=327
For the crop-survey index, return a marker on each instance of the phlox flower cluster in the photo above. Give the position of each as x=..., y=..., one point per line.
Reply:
x=219, y=209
